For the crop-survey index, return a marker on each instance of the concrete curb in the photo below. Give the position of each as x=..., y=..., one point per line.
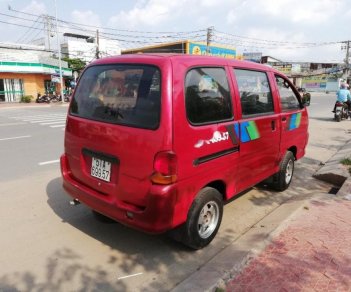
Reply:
x=345, y=191
x=333, y=171
x=221, y=268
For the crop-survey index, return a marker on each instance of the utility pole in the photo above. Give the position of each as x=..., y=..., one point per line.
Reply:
x=97, y=45
x=48, y=28
x=59, y=53
x=346, y=46
x=209, y=39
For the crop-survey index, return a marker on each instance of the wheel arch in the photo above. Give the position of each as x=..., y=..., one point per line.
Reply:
x=220, y=186
x=293, y=150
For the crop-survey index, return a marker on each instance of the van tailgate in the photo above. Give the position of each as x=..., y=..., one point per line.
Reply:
x=124, y=151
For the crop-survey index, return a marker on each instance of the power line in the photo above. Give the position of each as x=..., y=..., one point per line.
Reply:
x=124, y=38
x=25, y=34
x=244, y=39
x=110, y=28
x=130, y=38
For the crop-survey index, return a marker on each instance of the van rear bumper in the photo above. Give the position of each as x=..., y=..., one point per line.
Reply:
x=155, y=217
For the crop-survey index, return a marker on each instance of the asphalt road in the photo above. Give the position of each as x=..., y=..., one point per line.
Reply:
x=31, y=139
x=48, y=245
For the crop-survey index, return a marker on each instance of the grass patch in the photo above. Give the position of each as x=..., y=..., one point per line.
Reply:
x=347, y=161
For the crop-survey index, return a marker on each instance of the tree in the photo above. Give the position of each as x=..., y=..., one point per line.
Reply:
x=75, y=64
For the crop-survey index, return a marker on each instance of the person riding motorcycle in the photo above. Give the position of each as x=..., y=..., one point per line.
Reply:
x=343, y=95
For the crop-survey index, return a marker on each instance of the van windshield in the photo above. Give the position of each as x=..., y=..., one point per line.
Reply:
x=119, y=94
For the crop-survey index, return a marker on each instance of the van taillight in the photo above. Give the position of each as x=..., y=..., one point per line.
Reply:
x=165, y=168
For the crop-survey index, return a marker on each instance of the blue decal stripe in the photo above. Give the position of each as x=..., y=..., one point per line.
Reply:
x=292, y=125
x=244, y=135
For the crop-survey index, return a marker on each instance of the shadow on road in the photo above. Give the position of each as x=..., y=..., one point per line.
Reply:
x=302, y=185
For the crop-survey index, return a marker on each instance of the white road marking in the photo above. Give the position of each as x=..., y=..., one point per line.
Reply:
x=48, y=120
x=52, y=123
x=17, y=107
x=35, y=117
x=49, y=162
x=120, y=278
x=13, y=138
x=11, y=124
x=57, y=126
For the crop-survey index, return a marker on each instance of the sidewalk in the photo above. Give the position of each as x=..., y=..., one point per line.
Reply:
x=311, y=250
x=313, y=253
x=31, y=104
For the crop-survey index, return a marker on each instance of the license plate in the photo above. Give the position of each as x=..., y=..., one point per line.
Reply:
x=100, y=169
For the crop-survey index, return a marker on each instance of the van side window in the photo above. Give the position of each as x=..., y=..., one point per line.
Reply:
x=255, y=92
x=207, y=96
x=288, y=99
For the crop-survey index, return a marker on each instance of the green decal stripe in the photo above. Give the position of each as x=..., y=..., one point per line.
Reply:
x=298, y=120
x=252, y=130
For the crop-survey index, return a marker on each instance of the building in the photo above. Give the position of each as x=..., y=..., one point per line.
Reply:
x=86, y=48
x=312, y=76
x=28, y=70
x=187, y=47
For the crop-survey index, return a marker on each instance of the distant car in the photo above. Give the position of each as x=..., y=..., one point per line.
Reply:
x=306, y=96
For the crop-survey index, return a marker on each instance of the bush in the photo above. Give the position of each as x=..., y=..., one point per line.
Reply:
x=26, y=98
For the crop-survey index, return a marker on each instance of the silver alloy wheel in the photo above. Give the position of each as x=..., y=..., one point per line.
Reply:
x=208, y=219
x=289, y=171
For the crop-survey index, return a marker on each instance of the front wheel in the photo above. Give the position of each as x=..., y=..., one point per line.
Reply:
x=204, y=219
x=282, y=179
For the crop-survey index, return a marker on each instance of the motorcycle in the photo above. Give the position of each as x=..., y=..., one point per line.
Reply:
x=341, y=111
x=42, y=98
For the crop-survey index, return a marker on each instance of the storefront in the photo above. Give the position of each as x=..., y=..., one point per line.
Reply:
x=19, y=79
x=27, y=71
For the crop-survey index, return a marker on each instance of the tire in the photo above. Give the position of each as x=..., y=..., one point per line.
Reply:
x=102, y=218
x=204, y=219
x=283, y=178
x=338, y=118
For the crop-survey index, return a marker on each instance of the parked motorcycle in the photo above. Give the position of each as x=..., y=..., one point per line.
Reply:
x=42, y=98
x=341, y=111
x=54, y=98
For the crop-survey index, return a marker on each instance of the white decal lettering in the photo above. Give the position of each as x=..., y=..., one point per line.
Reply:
x=217, y=137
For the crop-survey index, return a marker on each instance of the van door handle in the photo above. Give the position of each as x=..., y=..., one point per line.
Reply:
x=273, y=125
x=283, y=119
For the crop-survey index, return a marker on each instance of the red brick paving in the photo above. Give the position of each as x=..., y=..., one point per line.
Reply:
x=312, y=254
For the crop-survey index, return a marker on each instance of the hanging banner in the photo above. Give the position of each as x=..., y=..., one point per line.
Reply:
x=201, y=49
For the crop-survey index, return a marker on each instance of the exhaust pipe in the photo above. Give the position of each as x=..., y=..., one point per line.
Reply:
x=74, y=202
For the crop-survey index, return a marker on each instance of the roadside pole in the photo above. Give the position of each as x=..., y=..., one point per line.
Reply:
x=59, y=55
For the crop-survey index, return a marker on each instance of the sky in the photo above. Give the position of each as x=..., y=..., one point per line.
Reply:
x=289, y=30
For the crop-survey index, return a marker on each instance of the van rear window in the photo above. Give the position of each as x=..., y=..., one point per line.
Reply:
x=119, y=94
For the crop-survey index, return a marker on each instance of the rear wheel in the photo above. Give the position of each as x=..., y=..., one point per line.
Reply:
x=338, y=118
x=204, y=219
x=282, y=179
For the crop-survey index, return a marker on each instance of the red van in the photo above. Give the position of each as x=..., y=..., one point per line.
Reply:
x=159, y=142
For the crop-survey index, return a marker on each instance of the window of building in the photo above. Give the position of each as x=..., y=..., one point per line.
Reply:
x=255, y=92
x=11, y=90
x=207, y=96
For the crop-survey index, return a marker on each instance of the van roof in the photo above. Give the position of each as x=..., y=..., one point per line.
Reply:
x=210, y=60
